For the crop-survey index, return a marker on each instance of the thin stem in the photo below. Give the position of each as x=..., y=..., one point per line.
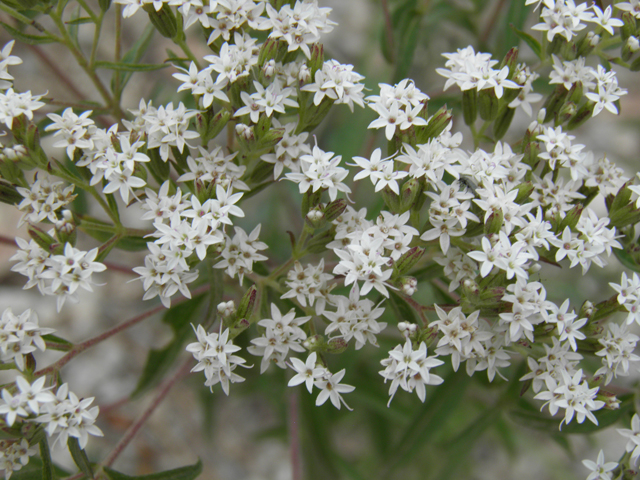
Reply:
x=163, y=390
x=96, y=40
x=118, y=52
x=82, y=61
x=95, y=18
x=81, y=347
x=182, y=43
x=492, y=22
x=21, y=18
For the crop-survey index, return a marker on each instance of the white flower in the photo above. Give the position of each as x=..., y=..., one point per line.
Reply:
x=599, y=469
x=331, y=388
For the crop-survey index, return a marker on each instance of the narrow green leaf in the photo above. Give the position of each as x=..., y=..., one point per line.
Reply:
x=529, y=40
x=132, y=244
x=45, y=455
x=79, y=21
x=626, y=260
x=515, y=18
x=407, y=47
x=128, y=67
x=429, y=418
x=134, y=55
x=64, y=343
x=26, y=38
x=79, y=457
x=159, y=361
x=189, y=472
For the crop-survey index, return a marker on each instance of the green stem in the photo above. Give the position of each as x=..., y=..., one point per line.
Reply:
x=95, y=18
x=185, y=48
x=118, y=52
x=82, y=62
x=96, y=40
x=21, y=18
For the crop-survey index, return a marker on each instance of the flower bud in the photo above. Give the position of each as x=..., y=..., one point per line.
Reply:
x=524, y=192
x=318, y=244
x=247, y=303
x=8, y=193
x=611, y=402
x=317, y=59
x=436, y=124
x=269, y=69
x=226, y=309
x=494, y=222
x=408, y=285
x=629, y=28
x=334, y=209
x=503, y=122
x=304, y=75
x=411, y=190
x=14, y=152
x=585, y=112
x=571, y=217
x=534, y=268
x=470, y=106
x=337, y=345
x=269, y=51
x=554, y=103
x=315, y=218
x=314, y=342
x=209, y=127
x=391, y=199
x=408, y=260
x=163, y=19
x=310, y=199
x=488, y=104
x=66, y=228
x=510, y=60
x=244, y=131
x=630, y=47
x=567, y=112
x=104, y=5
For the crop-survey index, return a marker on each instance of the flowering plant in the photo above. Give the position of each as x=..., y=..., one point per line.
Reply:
x=437, y=278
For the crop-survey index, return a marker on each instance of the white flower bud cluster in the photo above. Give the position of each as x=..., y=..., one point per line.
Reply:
x=14, y=455
x=20, y=335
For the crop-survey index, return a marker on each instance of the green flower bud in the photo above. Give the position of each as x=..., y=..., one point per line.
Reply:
x=503, y=122
x=525, y=190
x=470, y=106
x=104, y=5
x=410, y=191
x=407, y=261
x=488, y=104
x=391, y=199
x=210, y=126
x=585, y=112
x=630, y=27
x=571, y=217
x=46, y=241
x=436, y=125
x=317, y=59
x=567, y=112
x=269, y=51
x=310, y=199
x=554, y=103
x=245, y=308
x=510, y=60
x=337, y=345
x=164, y=20
x=334, y=209
x=531, y=152
x=318, y=243
x=494, y=222
x=8, y=193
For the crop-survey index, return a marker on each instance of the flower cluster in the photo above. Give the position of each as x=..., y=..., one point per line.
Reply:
x=57, y=274
x=281, y=334
x=62, y=414
x=410, y=369
x=20, y=335
x=214, y=353
x=313, y=374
